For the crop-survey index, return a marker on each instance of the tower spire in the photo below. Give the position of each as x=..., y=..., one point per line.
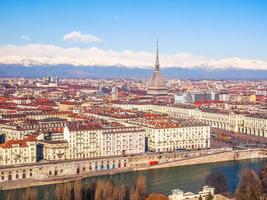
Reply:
x=157, y=58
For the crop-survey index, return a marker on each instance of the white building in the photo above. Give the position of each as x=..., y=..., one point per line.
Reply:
x=54, y=150
x=15, y=152
x=87, y=141
x=168, y=134
x=183, y=98
x=178, y=194
x=247, y=124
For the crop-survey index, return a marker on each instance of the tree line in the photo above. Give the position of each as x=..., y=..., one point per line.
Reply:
x=101, y=190
x=251, y=186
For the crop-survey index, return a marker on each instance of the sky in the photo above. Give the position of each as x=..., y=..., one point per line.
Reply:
x=190, y=32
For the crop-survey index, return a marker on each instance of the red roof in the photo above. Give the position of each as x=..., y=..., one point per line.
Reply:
x=200, y=103
x=21, y=143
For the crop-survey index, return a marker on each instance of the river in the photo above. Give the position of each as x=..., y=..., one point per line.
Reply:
x=187, y=178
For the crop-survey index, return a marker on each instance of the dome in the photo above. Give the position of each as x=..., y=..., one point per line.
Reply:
x=156, y=81
x=156, y=84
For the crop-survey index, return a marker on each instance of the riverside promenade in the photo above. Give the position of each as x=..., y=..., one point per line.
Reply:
x=57, y=172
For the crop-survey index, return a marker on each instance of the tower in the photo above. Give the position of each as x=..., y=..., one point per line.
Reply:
x=156, y=84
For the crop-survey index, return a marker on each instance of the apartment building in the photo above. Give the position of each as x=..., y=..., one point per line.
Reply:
x=18, y=151
x=88, y=141
x=169, y=134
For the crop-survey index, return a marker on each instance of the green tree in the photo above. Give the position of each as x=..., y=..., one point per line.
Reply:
x=210, y=197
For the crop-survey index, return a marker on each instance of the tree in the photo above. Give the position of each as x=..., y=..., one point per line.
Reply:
x=29, y=194
x=200, y=198
x=119, y=193
x=139, y=192
x=210, y=197
x=127, y=193
x=67, y=191
x=63, y=191
x=249, y=186
x=10, y=195
x=104, y=190
x=156, y=196
x=217, y=180
x=77, y=190
x=59, y=191
x=263, y=178
x=90, y=190
x=46, y=195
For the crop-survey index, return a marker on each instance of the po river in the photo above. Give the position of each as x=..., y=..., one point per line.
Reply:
x=187, y=178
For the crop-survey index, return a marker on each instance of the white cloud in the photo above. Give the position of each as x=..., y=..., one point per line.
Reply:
x=42, y=54
x=77, y=36
x=25, y=37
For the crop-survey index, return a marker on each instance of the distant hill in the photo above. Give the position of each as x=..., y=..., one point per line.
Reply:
x=70, y=71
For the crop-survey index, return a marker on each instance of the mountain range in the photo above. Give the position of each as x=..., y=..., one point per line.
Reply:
x=70, y=71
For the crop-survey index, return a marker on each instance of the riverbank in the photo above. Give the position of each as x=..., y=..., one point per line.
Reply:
x=202, y=159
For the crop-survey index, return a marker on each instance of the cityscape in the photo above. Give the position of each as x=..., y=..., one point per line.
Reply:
x=94, y=122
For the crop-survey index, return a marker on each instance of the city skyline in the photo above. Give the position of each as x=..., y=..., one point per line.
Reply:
x=212, y=34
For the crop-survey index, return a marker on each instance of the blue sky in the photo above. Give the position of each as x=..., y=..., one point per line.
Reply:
x=214, y=28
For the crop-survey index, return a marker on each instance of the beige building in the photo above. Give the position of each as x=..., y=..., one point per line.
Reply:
x=247, y=124
x=54, y=150
x=168, y=134
x=15, y=152
x=87, y=141
x=122, y=141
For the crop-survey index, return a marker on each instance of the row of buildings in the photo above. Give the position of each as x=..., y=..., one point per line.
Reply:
x=252, y=124
x=105, y=134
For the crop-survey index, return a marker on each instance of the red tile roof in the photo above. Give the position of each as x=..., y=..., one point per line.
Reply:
x=21, y=143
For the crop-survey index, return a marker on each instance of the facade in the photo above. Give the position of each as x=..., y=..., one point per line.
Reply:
x=122, y=141
x=84, y=141
x=89, y=141
x=248, y=124
x=183, y=98
x=114, y=93
x=190, y=97
x=178, y=194
x=53, y=150
x=171, y=139
x=156, y=84
x=18, y=151
x=167, y=134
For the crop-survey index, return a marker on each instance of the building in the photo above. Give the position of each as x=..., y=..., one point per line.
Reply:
x=53, y=150
x=89, y=141
x=156, y=84
x=16, y=152
x=168, y=134
x=251, y=124
x=183, y=98
x=114, y=93
x=122, y=141
x=178, y=194
x=83, y=141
